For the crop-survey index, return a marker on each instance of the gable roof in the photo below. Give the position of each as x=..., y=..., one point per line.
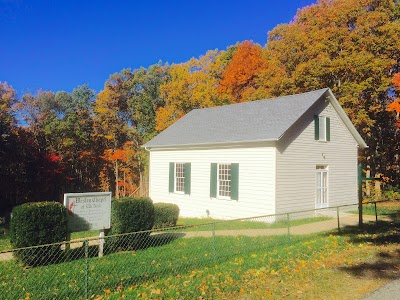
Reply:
x=262, y=120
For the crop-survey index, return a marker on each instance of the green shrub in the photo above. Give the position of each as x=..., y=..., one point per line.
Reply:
x=391, y=193
x=130, y=215
x=166, y=215
x=35, y=224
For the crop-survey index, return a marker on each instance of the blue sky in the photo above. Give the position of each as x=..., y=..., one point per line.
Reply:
x=60, y=44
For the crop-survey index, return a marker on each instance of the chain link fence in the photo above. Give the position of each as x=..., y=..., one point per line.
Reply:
x=96, y=267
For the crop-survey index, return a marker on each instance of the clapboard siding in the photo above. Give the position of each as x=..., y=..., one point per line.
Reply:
x=298, y=153
x=256, y=181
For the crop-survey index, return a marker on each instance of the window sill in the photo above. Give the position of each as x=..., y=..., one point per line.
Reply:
x=224, y=199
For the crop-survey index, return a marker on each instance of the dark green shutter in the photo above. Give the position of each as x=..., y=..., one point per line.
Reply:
x=235, y=181
x=213, y=180
x=316, y=127
x=171, y=177
x=328, y=129
x=187, y=178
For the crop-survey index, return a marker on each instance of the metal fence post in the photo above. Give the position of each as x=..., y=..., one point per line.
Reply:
x=338, y=219
x=288, y=224
x=86, y=243
x=376, y=214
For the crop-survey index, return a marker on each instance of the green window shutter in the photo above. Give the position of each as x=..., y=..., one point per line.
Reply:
x=235, y=181
x=328, y=129
x=171, y=177
x=316, y=127
x=213, y=180
x=187, y=178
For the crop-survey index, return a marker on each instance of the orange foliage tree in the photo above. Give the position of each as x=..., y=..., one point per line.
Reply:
x=239, y=79
x=122, y=161
x=395, y=105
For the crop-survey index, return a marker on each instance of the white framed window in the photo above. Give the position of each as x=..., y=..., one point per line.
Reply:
x=321, y=184
x=322, y=126
x=180, y=177
x=224, y=180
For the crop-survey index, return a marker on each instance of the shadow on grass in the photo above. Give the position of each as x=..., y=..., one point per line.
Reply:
x=140, y=241
x=385, y=264
x=41, y=256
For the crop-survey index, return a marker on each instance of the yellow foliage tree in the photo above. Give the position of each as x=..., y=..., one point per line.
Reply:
x=191, y=85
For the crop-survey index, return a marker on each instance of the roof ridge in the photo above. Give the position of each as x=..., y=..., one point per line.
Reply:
x=259, y=100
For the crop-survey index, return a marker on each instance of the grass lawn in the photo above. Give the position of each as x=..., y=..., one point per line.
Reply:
x=321, y=266
x=197, y=224
x=6, y=245
x=84, y=234
x=383, y=209
x=317, y=267
x=4, y=240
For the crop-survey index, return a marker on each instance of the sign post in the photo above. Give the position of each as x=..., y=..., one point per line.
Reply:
x=89, y=211
x=361, y=178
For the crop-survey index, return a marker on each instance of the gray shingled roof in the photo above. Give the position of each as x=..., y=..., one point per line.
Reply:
x=262, y=120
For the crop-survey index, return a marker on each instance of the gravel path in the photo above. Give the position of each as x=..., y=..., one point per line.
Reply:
x=390, y=291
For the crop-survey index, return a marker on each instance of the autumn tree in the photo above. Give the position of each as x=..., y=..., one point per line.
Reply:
x=111, y=124
x=28, y=171
x=7, y=100
x=395, y=105
x=239, y=79
x=7, y=144
x=144, y=99
x=38, y=111
x=192, y=85
x=72, y=136
x=123, y=162
x=351, y=46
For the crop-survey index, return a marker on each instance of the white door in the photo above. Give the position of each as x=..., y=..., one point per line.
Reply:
x=321, y=200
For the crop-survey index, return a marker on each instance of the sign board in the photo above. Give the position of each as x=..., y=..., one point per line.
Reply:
x=88, y=211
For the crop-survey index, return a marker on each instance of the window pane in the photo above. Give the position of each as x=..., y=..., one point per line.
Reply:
x=324, y=179
x=224, y=180
x=179, y=177
x=322, y=128
x=321, y=186
x=324, y=196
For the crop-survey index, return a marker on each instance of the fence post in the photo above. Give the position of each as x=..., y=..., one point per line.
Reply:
x=101, y=243
x=86, y=242
x=338, y=218
x=360, y=204
x=288, y=223
x=376, y=214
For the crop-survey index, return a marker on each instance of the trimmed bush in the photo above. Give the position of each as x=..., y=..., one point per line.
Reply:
x=35, y=224
x=130, y=215
x=166, y=215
